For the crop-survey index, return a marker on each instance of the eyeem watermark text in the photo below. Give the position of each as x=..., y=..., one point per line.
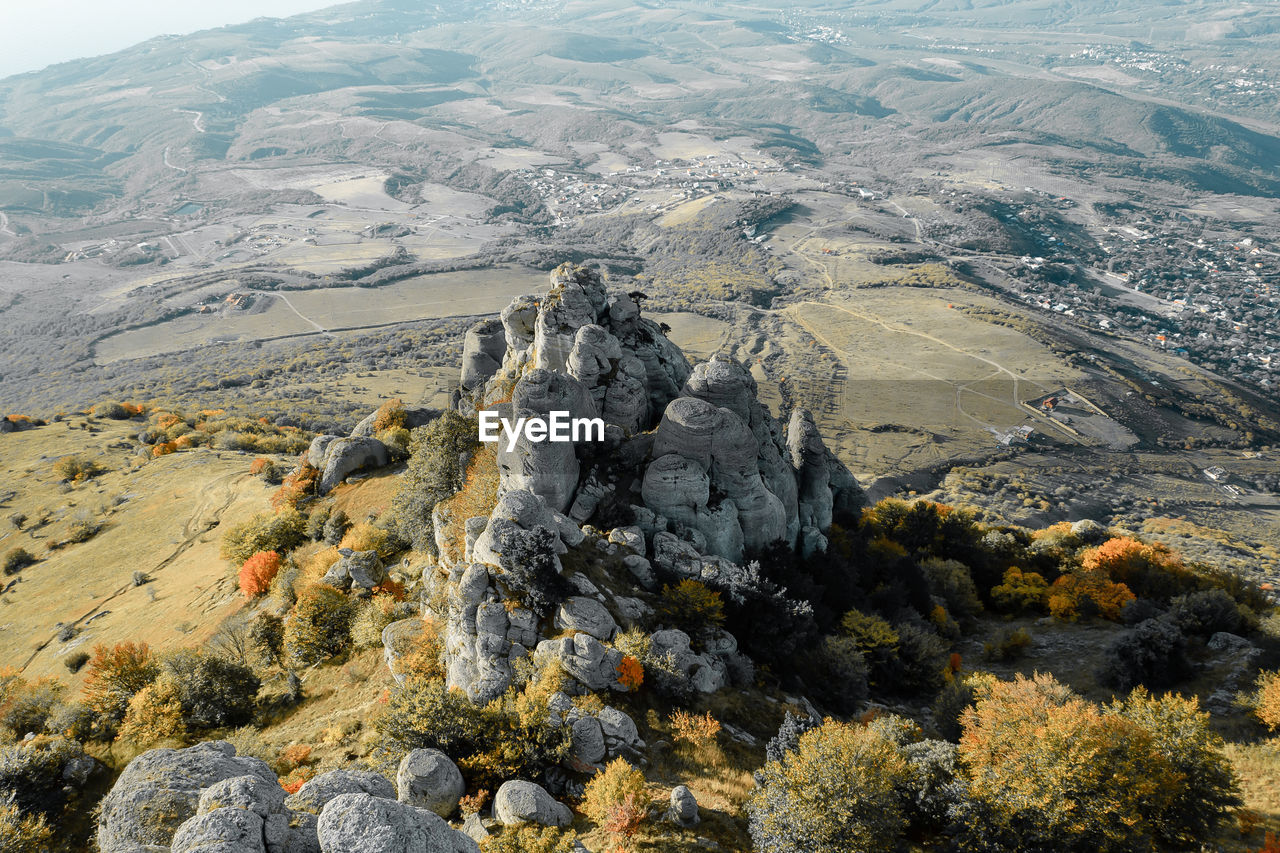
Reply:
x=557, y=426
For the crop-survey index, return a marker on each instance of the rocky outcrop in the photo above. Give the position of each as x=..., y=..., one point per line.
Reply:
x=313, y=795
x=360, y=823
x=205, y=799
x=358, y=569
x=595, y=737
x=588, y=616
x=414, y=417
x=428, y=779
x=582, y=656
x=483, y=348
x=520, y=802
x=337, y=458
x=160, y=790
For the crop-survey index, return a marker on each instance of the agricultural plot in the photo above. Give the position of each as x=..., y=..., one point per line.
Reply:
x=328, y=310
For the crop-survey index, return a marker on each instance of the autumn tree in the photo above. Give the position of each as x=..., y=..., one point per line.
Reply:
x=116, y=674
x=319, y=625
x=257, y=573
x=1050, y=771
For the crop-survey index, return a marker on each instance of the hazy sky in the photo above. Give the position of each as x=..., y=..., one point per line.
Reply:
x=36, y=33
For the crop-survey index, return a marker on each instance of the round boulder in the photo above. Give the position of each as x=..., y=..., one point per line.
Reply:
x=684, y=808
x=428, y=779
x=588, y=616
x=519, y=802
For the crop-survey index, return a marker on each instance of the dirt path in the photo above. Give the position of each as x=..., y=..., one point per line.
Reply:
x=215, y=500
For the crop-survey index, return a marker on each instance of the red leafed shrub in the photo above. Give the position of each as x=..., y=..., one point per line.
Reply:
x=257, y=573
x=630, y=673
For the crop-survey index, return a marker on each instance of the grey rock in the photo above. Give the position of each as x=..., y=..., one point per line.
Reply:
x=359, y=823
x=227, y=830
x=400, y=639
x=629, y=537
x=483, y=349
x=475, y=829
x=414, y=417
x=641, y=570
x=255, y=793
x=1090, y=531
x=518, y=802
x=160, y=790
x=619, y=730
x=684, y=807
x=346, y=456
x=587, y=747
x=428, y=779
x=585, y=658
x=579, y=613
x=365, y=569
x=315, y=793
x=319, y=450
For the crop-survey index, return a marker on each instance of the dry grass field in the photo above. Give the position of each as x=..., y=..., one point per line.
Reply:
x=163, y=517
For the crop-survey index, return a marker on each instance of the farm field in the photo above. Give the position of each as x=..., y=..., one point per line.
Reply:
x=325, y=310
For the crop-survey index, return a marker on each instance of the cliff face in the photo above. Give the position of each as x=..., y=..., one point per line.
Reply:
x=703, y=466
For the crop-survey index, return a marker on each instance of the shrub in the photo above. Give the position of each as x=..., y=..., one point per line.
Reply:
x=116, y=673
x=837, y=791
x=319, y=626
x=390, y=415
x=528, y=838
x=215, y=692
x=31, y=771
x=367, y=537
x=370, y=618
x=1020, y=592
x=922, y=661
x=114, y=411
x=787, y=739
x=21, y=833
x=75, y=661
x=268, y=470
x=77, y=469
x=630, y=673
x=952, y=581
x=155, y=714
x=1151, y=571
x=1008, y=644
x=279, y=532
x=935, y=785
x=257, y=573
x=17, y=560
x=1266, y=703
x=1154, y=654
x=296, y=487
x=266, y=636
x=615, y=798
x=1207, y=612
x=697, y=731
x=835, y=673
x=335, y=527
x=691, y=607
x=25, y=706
x=530, y=571
x=1087, y=593
x=423, y=713
x=1051, y=771
x=436, y=470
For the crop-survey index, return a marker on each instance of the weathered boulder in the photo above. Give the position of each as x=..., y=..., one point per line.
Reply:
x=226, y=830
x=519, y=802
x=414, y=417
x=254, y=793
x=361, y=569
x=587, y=615
x=619, y=730
x=399, y=640
x=577, y=298
x=315, y=793
x=706, y=673
x=586, y=744
x=684, y=807
x=160, y=790
x=428, y=779
x=483, y=348
x=359, y=823
x=318, y=452
x=585, y=658
x=345, y=456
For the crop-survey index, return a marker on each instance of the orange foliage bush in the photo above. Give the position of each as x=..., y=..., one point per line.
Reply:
x=698, y=731
x=630, y=673
x=298, y=485
x=258, y=572
x=259, y=465
x=479, y=495
x=1071, y=592
x=1267, y=702
x=164, y=448
x=116, y=673
x=1270, y=844
x=1153, y=570
x=294, y=756
x=390, y=415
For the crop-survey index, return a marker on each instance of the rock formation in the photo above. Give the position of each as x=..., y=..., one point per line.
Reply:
x=206, y=799
x=695, y=456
